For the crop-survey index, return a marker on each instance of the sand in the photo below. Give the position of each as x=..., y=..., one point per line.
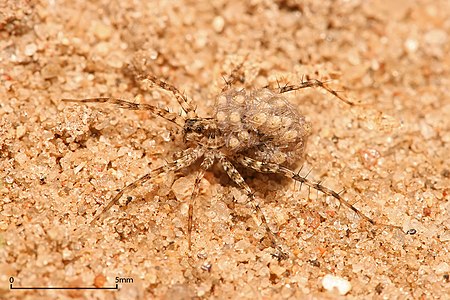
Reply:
x=61, y=162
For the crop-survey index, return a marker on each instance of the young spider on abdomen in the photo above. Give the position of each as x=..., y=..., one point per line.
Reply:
x=258, y=129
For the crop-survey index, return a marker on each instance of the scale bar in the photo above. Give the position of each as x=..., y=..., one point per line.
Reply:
x=62, y=288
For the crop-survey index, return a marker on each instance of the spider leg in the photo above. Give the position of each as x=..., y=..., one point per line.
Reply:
x=239, y=180
x=207, y=162
x=313, y=83
x=274, y=168
x=164, y=113
x=235, y=76
x=188, y=159
x=182, y=99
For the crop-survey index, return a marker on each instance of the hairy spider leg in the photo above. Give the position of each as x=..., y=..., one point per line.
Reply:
x=189, y=158
x=239, y=180
x=235, y=76
x=163, y=113
x=264, y=167
x=207, y=162
x=182, y=99
x=312, y=83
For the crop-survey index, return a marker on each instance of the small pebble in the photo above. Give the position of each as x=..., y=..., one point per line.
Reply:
x=50, y=70
x=20, y=131
x=331, y=282
x=102, y=31
x=30, y=49
x=411, y=45
x=21, y=158
x=99, y=281
x=442, y=268
x=79, y=167
x=218, y=24
x=182, y=188
x=444, y=237
x=436, y=37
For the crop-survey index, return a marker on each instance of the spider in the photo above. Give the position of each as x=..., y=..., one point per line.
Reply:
x=257, y=129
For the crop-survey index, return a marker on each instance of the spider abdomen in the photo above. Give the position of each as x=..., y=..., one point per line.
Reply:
x=261, y=124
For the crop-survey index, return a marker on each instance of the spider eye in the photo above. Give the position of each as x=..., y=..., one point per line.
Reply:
x=199, y=129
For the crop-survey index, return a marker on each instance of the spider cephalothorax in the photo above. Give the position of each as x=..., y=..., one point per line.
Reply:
x=257, y=129
x=203, y=132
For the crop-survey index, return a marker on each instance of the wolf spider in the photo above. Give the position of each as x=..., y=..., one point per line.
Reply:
x=256, y=129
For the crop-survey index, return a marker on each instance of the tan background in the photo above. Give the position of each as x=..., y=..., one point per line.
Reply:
x=59, y=162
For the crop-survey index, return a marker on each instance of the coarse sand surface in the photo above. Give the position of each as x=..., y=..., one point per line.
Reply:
x=61, y=162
